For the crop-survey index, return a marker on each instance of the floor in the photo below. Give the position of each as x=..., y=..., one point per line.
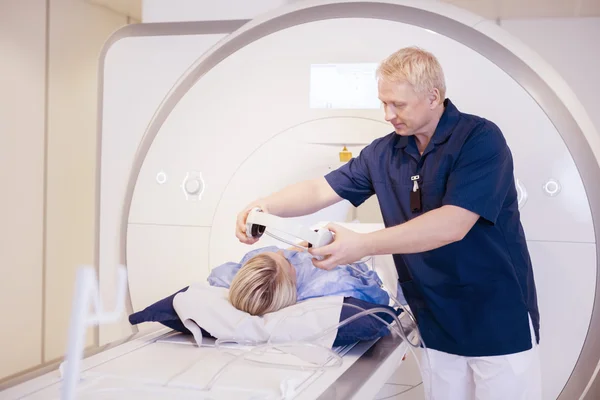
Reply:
x=405, y=383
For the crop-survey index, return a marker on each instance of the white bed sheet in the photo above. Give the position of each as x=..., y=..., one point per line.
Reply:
x=166, y=364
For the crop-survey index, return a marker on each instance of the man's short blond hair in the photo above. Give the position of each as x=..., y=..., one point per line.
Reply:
x=416, y=66
x=261, y=287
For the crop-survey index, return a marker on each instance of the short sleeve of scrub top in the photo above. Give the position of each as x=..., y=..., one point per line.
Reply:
x=482, y=175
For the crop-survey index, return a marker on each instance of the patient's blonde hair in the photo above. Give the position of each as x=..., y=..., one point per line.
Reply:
x=261, y=287
x=416, y=66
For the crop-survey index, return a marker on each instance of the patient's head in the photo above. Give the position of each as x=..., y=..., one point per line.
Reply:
x=265, y=283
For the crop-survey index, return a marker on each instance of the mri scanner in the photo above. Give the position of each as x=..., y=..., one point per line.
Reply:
x=198, y=119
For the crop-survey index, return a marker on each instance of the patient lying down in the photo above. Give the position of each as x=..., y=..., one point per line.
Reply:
x=269, y=279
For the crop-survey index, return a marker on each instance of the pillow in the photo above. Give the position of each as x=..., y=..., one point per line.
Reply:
x=365, y=328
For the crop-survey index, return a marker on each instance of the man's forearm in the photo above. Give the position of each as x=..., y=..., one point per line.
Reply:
x=429, y=231
x=301, y=198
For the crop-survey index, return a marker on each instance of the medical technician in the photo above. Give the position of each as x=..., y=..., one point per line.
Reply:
x=445, y=185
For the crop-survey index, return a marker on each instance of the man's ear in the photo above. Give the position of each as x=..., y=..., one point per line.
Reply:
x=434, y=98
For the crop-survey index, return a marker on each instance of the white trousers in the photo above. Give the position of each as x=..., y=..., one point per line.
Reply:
x=510, y=377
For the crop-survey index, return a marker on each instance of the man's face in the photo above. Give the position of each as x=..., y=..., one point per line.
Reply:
x=406, y=110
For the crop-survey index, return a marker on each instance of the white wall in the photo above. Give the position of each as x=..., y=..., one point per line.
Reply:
x=571, y=46
x=22, y=97
x=47, y=214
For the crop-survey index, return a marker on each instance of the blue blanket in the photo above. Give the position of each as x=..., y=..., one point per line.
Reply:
x=356, y=281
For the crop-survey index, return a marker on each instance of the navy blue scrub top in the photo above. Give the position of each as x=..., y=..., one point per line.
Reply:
x=471, y=297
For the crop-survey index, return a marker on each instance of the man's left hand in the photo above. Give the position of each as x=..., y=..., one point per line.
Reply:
x=347, y=247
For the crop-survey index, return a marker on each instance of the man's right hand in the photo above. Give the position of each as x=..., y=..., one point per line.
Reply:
x=240, y=226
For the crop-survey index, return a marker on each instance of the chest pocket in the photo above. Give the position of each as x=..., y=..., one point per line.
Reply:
x=432, y=193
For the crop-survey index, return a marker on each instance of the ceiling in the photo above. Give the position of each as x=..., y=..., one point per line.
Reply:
x=129, y=8
x=492, y=9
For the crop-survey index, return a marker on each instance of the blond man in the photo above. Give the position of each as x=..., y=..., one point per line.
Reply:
x=444, y=181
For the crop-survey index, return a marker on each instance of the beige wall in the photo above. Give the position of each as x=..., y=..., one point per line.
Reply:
x=78, y=31
x=53, y=205
x=22, y=94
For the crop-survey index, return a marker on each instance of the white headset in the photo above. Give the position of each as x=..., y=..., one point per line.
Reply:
x=258, y=221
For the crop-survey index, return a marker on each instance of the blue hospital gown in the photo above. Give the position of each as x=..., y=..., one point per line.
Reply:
x=312, y=281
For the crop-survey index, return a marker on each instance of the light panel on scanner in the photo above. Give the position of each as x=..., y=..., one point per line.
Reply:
x=344, y=86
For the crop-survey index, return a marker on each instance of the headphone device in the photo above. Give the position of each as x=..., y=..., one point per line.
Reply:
x=258, y=221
